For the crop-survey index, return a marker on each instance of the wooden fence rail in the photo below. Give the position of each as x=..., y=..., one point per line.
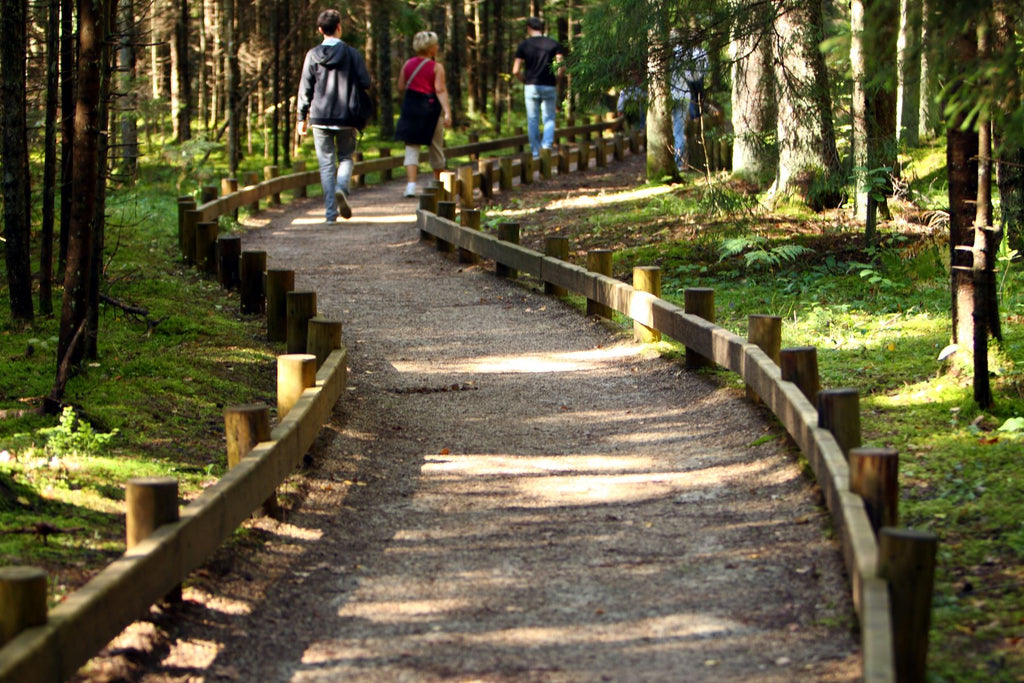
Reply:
x=872, y=583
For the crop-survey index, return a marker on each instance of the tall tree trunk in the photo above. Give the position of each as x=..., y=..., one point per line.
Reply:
x=68, y=82
x=983, y=207
x=471, y=10
x=85, y=176
x=873, y=60
x=14, y=158
x=1010, y=155
x=128, y=102
x=908, y=93
x=753, y=99
x=181, y=88
x=807, y=143
x=498, y=59
x=929, y=116
x=275, y=90
x=286, y=67
x=49, y=158
x=661, y=161
x=381, y=11
x=454, y=58
x=232, y=84
x=108, y=15
x=216, y=56
x=962, y=170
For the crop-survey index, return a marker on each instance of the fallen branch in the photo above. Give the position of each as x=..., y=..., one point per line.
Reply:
x=42, y=530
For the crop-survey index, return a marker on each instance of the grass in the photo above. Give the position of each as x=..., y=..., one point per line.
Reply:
x=878, y=316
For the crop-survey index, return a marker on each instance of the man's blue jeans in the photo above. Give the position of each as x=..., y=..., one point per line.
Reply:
x=680, y=113
x=540, y=99
x=334, y=150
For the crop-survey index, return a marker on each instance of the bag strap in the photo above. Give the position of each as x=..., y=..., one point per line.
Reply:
x=416, y=71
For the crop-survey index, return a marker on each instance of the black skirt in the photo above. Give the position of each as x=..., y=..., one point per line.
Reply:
x=418, y=120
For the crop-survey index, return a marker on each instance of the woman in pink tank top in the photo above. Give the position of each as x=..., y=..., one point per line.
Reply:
x=425, y=108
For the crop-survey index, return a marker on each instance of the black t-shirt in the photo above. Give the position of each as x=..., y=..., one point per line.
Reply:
x=537, y=53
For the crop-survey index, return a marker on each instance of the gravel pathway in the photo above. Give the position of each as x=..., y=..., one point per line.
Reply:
x=508, y=491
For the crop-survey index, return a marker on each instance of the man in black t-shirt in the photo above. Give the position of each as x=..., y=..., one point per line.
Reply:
x=533, y=64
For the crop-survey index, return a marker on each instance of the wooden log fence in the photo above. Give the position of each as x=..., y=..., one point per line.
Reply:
x=891, y=581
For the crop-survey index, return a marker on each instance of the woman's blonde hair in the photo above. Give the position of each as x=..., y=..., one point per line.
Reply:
x=423, y=41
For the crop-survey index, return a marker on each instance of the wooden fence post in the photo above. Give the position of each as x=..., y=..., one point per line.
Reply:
x=874, y=476
x=229, y=255
x=299, y=166
x=765, y=332
x=799, y=365
x=207, y=193
x=556, y=247
x=205, y=245
x=839, y=412
x=359, y=179
x=906, y=559
x=299, y=308
x=545, y=163
x=150, y=502
x=229, y=186
x=563, y=160
x=647, y=279
x=244, y=427
x=385, y=153
x=445, y=210
x=466, y=186
x=278, y=284
x=428, y=204
x=252, y=296
x=698, y=301
x=296, y=372
x=599, y=261
x=507, y=232
x=583, y=161
x=251, y=179
x=526, y=169
x=186, y=203
x=448, y=182
x=22, y=600
x=469, y=218
x=188, y=243
x=269, y=173
x=505, y=178
x=324, y=336
x=485, y=167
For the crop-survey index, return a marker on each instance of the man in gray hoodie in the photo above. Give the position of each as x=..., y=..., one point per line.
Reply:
x=329, y=74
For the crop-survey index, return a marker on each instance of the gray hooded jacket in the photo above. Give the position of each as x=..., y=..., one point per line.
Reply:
x=327, y=75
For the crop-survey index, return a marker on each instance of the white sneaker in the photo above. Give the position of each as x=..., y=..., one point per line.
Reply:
x=343, y=208
x=410, y=189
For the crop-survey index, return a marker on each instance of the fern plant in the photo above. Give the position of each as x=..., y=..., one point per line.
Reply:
x=758, y=253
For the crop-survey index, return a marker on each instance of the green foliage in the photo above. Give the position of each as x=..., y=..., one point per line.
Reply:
x=759, y=254
x=75, y=436
x=720, y=200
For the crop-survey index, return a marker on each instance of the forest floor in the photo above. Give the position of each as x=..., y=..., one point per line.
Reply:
x=508, y=491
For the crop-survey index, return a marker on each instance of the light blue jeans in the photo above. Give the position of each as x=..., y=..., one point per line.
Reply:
x=680, y=114
x=540, y=99
x=334, y=150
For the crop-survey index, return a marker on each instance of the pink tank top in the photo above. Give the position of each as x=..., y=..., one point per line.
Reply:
x=424, y=81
